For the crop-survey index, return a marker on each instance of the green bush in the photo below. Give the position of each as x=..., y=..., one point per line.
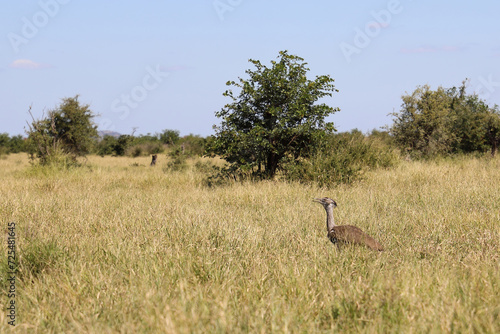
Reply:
x=14, y=144
x=191, y=145
x=110, y=145
x=204, y=167
x=145, y=149
x=135, y=151
x=177, y=161
x=17, y=144
x=105, y=146
x=3, y=152
x=342, y=158
x=439, y=122
x=176, y=164
x=67, y=130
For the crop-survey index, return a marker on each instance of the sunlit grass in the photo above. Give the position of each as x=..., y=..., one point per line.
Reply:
x=123, y=247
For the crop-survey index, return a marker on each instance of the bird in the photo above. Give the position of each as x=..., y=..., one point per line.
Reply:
x=345, y=233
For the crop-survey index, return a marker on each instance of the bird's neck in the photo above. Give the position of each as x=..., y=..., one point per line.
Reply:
x=330, y=223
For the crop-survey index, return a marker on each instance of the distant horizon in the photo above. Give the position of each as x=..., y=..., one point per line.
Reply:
x=137, y=133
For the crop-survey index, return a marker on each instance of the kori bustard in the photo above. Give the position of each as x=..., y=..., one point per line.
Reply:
x=345, y=233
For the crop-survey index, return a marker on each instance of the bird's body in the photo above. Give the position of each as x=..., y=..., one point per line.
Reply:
x=345, y=233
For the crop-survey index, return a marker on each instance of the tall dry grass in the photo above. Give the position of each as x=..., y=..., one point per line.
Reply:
x=121, y=247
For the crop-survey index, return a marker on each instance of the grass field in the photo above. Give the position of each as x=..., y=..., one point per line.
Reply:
x=124, y=248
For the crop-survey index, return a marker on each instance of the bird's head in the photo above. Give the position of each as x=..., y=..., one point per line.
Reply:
x=326, y=202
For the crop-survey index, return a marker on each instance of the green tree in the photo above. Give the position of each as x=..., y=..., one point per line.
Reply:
x=145, y=139
x=4, y=143
x=423, y=125
x=106, y=145
x=445, y=121
x=274, y=118
x=477, y=125
x=492, y=125
x=469, y=122
x=16, y=144
x=122, y=143
x=66, y=134
x=192, y=145
x=169, y=137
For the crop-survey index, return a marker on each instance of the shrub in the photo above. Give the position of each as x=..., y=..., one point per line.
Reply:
x=443, y=121
x=176, y=164
x=145, y=149
x=105, y=146
x=110, y=145
x=204, y=167
x=342, y=158
x=191, y=145
x=177, y=161
x=17, y=144
x=169, y=137
x=14, y=144
x=67, y=131
x=135, y=151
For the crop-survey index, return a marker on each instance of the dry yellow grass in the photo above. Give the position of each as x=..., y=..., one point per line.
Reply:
x=133, y=249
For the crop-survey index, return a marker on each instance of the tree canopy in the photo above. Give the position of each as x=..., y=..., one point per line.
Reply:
x=275, y=116
x=67, y=132
x=433, y=122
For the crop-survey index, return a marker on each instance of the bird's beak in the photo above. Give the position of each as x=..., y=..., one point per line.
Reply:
x=317, y=200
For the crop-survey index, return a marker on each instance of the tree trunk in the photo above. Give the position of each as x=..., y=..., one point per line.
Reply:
x=271, y=164
x=494, y=145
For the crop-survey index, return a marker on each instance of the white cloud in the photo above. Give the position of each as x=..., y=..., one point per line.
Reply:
x=28, y=64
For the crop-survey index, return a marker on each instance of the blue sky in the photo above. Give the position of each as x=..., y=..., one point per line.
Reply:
x=163, y=64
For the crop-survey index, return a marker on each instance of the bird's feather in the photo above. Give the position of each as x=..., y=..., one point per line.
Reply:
x=353, y=234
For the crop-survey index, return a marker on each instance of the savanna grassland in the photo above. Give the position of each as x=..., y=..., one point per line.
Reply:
x=121, y=247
